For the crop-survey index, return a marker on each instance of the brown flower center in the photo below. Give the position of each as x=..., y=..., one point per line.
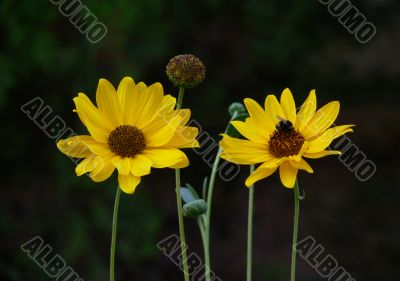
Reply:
x=285, y=140
x=126, y=141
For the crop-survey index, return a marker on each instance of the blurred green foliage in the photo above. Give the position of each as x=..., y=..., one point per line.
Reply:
x=250, y=48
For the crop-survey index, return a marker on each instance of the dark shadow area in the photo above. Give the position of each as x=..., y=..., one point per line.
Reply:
x=250, y=48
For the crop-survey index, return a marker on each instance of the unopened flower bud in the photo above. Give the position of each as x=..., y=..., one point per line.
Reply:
x=185, y=71
x=236, y=107
x=195, y=208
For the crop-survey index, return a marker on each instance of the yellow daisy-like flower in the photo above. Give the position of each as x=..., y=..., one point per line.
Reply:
x=278, y=137
x=132, y=129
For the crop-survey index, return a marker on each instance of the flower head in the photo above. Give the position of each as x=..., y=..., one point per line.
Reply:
x=278, y=137
x=185, y=71
x=132, y=129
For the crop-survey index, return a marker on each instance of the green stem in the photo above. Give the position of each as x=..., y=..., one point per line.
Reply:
x=201, y=227
x=250, y=231
x=114, y=235
x=203, y=236
x=295, y=230
x=180, y=97
x=179, y=203
x=209, y=205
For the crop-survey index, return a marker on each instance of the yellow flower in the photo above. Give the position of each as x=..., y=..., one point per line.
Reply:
x=132, y=129
x=277, y=136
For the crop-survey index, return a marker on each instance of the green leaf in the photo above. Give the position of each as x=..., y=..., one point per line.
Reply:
x=231, y=131
x=205, y=183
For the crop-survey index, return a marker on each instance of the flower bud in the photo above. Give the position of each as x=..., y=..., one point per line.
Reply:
x=236, y=107
x=195, y=208
x=185, y=71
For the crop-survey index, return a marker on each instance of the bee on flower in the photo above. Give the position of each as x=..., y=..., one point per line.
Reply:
x=278, y=137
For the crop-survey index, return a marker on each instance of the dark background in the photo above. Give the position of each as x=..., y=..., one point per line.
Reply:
x=250, y=48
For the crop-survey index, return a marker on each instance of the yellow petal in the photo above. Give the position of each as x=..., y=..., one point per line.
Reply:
x=128, y=99
x=322, y=120
x=108, y=103
x=164, y=119
x=164, y=157
x=181, y=164
x=103, y=170
x=184, y=115
x=260, y=173
x=150, y=102
x=128, y=183
x=184, y=137
x=87, y=165
x=259, y=117
x=161, y=136
x=287, y=174
x=342, y=129
x=307, y=111
x=98, y=148
x=248, y=130
x=288, y=106
x=132, y=114
x=301, y=165
x=97, y=124
x=123, y=164
x=297, y=157
x=140, y=165
x=125, y=88
x=324, y=140
x=322, y=154
x=168, y=104
x=274, y=109
x=165, y=115
x=75, y=146
x=243, y=151
x=141, y=88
